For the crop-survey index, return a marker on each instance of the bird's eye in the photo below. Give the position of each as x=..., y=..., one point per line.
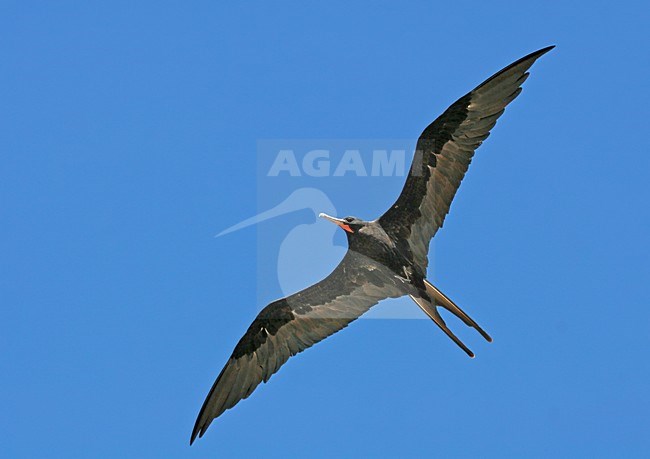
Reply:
x=349, y=219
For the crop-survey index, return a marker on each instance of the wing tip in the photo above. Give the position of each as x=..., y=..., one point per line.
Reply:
x=534, y=55
x=545, y=49
x=199, y=430
x=196, y=432
x=527, y=61
x=200, y=425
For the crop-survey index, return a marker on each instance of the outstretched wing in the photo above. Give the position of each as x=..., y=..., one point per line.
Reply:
x=443, y=154
x=292, y=324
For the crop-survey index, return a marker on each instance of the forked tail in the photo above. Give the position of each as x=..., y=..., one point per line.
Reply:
x=440, y=299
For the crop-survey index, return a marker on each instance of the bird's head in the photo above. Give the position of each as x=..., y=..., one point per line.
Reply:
x=350, y=225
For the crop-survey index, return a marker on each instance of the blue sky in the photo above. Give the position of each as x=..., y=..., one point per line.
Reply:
x=129, y=138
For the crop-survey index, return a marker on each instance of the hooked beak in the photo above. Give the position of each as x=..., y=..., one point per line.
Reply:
x=337, y=221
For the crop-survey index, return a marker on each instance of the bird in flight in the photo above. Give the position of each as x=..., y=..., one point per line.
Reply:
x=386, y=257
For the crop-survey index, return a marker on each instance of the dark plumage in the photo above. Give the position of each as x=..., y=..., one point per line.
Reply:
x=386, y=258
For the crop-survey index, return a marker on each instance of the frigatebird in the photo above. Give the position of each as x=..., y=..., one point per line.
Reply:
x=386, y=257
